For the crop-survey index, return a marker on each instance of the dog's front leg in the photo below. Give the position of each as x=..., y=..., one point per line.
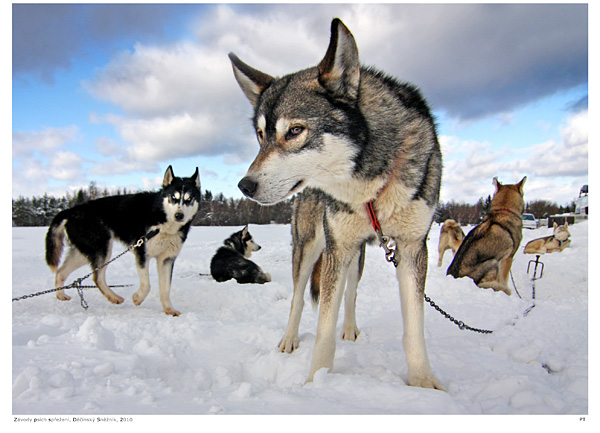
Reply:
x=142, y=269
x=304, y=256
x=411, y=273
x=350, y=330
x=165, y=275
x=333, y=277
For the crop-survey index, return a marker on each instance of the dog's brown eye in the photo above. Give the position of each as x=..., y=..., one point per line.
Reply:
x=295, y=131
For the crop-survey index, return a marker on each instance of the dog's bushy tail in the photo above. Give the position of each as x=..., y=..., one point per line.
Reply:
x=315, y=282
x=55, y=240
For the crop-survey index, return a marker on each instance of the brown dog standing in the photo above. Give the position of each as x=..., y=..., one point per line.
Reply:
x=451, y=236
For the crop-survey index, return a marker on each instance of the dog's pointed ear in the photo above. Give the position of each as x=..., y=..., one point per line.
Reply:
x=521, y=185
x=169, y=176
x=196, y=178
x=497, y=184
x=245, y=230
x=252, y=81
x=339, y=71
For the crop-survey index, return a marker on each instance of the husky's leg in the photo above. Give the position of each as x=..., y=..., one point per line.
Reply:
x=350, y=330
x=503, y=275
x=411, y=273
x=333, y=277
x=141, y=262
x=73, y=261
x=304, y=257
x=99, y=277
x=441, y=252
x=165, y=275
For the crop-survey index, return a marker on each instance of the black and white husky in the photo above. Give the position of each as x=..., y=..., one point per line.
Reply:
x=231, y=260
x=164, y=217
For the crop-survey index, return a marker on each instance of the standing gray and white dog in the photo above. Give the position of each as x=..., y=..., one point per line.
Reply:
x=361, y=137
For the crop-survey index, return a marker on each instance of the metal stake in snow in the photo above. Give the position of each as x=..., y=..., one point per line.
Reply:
x=535, y=276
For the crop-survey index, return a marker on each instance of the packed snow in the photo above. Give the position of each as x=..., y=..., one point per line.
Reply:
x=221, y=357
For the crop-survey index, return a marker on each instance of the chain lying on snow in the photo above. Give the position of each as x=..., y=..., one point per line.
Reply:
x=77, y=283
x=390, y=255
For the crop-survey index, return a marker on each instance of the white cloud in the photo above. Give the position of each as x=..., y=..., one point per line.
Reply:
x=555, y=169
x=567, y=157
x=65, y=165
x=45, y=141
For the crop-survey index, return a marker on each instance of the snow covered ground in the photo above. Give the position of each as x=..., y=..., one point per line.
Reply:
x=220, y=356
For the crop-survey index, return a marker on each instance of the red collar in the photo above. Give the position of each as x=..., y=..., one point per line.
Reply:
x=373, y=217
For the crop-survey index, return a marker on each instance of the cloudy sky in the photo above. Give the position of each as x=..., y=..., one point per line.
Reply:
x=115, y=93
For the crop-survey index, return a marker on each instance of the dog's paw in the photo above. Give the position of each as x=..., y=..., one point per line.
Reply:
x=137, y=299
x=288, y=344
x=430, y=382
x=267, y=278
x=350, y=333
x=116, y=299
x=172, y=312
x=63, y=297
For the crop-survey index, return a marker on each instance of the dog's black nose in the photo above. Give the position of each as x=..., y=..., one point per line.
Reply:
x=248, y=186
x=179, y=216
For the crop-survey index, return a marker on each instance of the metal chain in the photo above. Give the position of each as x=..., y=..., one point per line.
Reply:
x=390, y=255
x=461, y=325
x=77, y=283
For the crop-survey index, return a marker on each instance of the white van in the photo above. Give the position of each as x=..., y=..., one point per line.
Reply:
x=529, y=221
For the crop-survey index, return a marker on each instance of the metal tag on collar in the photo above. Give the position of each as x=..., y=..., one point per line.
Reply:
x=388, y=246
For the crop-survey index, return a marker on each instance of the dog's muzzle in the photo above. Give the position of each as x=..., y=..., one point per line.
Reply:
x=248, y=186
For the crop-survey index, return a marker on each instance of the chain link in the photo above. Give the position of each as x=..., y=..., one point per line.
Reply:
x=461, y=325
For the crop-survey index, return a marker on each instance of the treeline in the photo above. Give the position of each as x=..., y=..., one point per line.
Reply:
x=473, y=213
x=218, y=210
x=214, y=210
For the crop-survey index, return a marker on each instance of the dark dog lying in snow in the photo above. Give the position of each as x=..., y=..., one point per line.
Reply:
x=231, y=260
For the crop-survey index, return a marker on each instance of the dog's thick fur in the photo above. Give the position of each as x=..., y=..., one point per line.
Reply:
x=91, y=228
x=231, y=260
x=550, y=244
x=308, y=243
x=487, y=251
x=451, y=236
x=358, y=135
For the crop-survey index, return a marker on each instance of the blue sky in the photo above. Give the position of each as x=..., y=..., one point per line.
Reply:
x=115, y=93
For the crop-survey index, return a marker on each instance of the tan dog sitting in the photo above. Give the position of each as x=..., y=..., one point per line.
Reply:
x=549, y=244
x=451, y=236
x=487, y=252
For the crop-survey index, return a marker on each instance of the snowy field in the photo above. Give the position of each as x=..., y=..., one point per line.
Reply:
x=220, y=356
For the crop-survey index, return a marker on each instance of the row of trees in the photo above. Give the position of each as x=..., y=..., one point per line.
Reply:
x=222, y=211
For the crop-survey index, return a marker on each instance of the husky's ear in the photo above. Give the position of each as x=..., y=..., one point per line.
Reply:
x=196, y=178
x=497, y=184
x=251, y=80
x=521, y=184
x=245, y=230
x=339, y=71
x=169, y=176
